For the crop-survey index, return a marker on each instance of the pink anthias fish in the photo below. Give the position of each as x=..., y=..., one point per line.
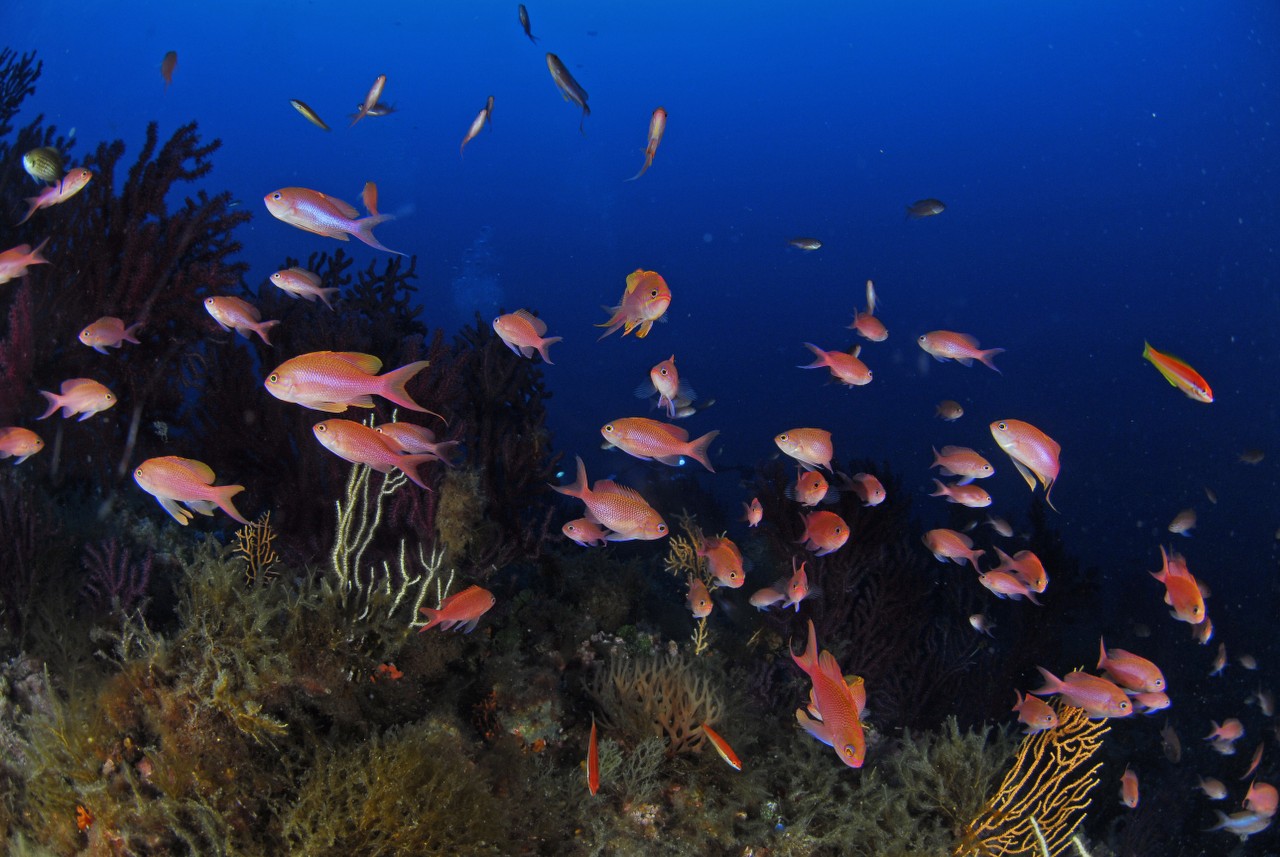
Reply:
x=824, y=532
x=963, y=462
x=524, y=333
x=644, y=301
x=333, y=381
x=867, y=487
x=19, y=443
x=83, y=396
x=1034, y=453
x=1027, y=566
x=945, y=345
x=845, y=368
x=173, y=480
x=461, y=610
x=360, y=444
x=972, y=496
x=616, y=507
x=724, y=560
x=810, y=488
x=1036, y=714
x=835, y=704
x=15, y=261
x=753, y=512
x=1098, y=697
x=586, y=532
x=810, y=446
x=1132, y=672
x=699, y=599
x=665, y=381
x=71, y=184
x=1002, y=584
x=301, y=283
x=109, y=332
x=232, y=313
x=947, y=544
x=651, y=440
x=324, y=215
x=416, y=439
x=786, y=592
x=865, y=323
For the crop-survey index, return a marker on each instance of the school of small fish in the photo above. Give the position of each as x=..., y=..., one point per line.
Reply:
x=1125, y=682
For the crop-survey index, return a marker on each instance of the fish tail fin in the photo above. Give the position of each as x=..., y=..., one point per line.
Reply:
x=408, y=464
x=262, y=329
x=808, y=659
x=818, y=353
x=55, y=402
x=363, y=229
x=36, y=258
x=130, y=331
x=433, y=618
x=1048, y=489
x=393, y=387
x=579, y=487
x=1102, y=652
x=941, y=490
x=222, y=497
x=1052, y=684
x=973, y=558
x=545, y=345
x=35, y=203
x=324, y=294
x=698, y=449
x=616, y=320
x=985, y=357
x=450, y=452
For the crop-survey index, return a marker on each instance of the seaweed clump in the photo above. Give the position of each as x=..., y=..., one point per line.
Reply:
x=666, y=696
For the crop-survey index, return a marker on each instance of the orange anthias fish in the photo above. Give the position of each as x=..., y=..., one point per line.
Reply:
x=83, y=396
x=1027, y=566
x=845, y=368
x=415, y=439
x=1129, y=788
x=657, y=125
x=593, y=748
x=945, y=345
x=835, y=705
x=810, y=446
x=360, y=444
x=1182, y=591
x=461, y=610
x=865, y=323
x=963, y=462
x=324, y=215
x=524, y=333
x=333, y=381
x=973, y=496
x=724, y=560
x=1179, y=374
x=369, y=198
x=947, y=544
x=108, y=332
x=869, y=489
x=699, y=599
x=1034, y=453
x=616, y=507
x=1002, y=584
x=1262, y=799
x=1036, y=714
x=173, y=480
x=301, y=283
x=824, y=532
x=753, y=512
x=19, y=443
x=722, y=747
x=650, y=440
x=1130, y=671
x=15, y=261
x=232, y=313
x=644, y=301
x=1097, y=696
x=167, y=65
x=585, y=532
x=810, y=488
x=371, y=98
x=666, y=382
x=71, y=184
x=798, y=588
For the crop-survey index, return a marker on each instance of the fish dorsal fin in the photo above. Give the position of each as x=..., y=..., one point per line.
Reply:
x=539, y=326
x=956, y=450
x=198, y=469
x=968, y=340
x=347, y=209
x=674, y=431
x=829, y=667
x=310, y=276
x=858, y=690
x=608, y=486
x=366, y=363
x=633, y=280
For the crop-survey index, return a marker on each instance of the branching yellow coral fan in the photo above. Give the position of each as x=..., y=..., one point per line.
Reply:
x=253, y=544
x=1049, y=782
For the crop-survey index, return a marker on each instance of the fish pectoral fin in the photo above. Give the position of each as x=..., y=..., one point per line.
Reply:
x=181, y=515
x=815, y=728
x=327, y=407
x=365, y=401
x=204, y=507
x=1026, y=474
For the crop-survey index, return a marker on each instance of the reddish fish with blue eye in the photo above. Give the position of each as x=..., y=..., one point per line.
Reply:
x=460, y=610
x=834, y=713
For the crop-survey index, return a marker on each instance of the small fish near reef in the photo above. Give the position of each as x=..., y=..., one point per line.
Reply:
x=108, y=332
x=845, y=368
x=810, y=446
x=616, y=507
x=699, y=599
x=923, y=208
x=415, y=439
x=524, y=25
x=308, y=114
x=232, y=313
x=72, y=184
x=1034, y=453
x=1179, y=374
x=569, y=88
x=944, y=345
x=44, y=164
x=167, y=66
x=360, y=444
x=324, y=215
x=375, y=92
x=15, y=261
x=477, y=125
x=301, y=283
x=173, y=480
x=593, y=745
x=333, y=381
x=644, y=301
x=525, y=334
x=657, y=126
x=1036, y=714
x=835, y=704
x=19, y=443
x=753, y=512
x=722, y=747
x=585, y=532
x=724, y=560
x=650, y=440
x=462, y=610
x=83, y=396
x=824, y=532
x=808, y=245
x=665, y=380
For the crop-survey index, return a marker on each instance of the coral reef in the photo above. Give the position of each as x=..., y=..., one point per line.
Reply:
x=665, y=695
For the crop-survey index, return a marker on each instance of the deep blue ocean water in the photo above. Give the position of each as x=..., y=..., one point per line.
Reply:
x=1109, y=172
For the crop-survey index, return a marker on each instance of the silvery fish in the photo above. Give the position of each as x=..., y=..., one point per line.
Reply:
x=43, y=164
x=569, y=88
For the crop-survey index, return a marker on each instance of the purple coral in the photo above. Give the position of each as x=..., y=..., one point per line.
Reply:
x=113, y=579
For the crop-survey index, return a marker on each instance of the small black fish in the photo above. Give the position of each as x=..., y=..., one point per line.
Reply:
x=569, y=88
x=925, y=208
x=524, y=22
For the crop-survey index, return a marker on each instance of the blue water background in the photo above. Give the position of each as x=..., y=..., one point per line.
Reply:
x=1109, y=171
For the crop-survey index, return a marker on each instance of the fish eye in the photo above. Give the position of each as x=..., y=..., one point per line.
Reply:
x=839, y=530
x=320, y=427
x=138, y=472
x=849, y=751
x=653, y=293
x=275, y=195
x=1002, y=426
x=662, y=528
x=273, y=378
x=609, y=428
x=923, y=337
x=664, y=371
x=782, y=436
